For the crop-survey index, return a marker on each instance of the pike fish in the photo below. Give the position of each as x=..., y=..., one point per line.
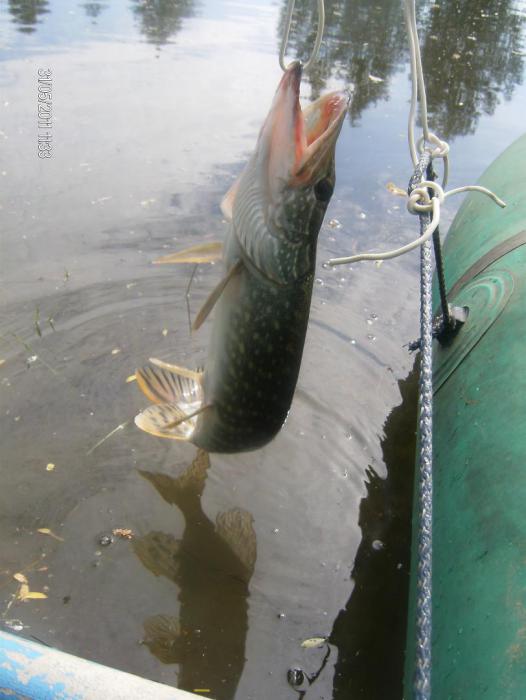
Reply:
x=261, y=307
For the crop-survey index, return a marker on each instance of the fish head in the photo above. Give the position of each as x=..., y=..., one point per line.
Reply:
x=295, y=152
x=282, y=195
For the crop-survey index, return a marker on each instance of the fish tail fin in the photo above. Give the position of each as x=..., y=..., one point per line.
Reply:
x=177, y=395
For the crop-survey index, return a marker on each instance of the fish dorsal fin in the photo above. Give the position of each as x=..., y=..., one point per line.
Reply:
x=202, y=253
x=215, y=294
x=227, y=203
x=168, y=421
x=163, y=386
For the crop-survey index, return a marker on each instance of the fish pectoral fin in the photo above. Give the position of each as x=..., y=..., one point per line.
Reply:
x=177, y=398
x=202, y=253
x=166, y=386
x=227, y=203
x=215, y=294
x=168, y=421
x=197, y=375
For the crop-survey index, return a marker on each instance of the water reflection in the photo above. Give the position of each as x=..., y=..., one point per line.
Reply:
x=26, y=13
x=477, y=46
x=93, y=9
x=370, y=631
x=212, y=565
x=471, y=52
x=160, y=19
x=364, y=44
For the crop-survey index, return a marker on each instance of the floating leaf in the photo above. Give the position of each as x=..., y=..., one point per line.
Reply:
x=47, y=531
x=34, y=595
x=25, y=594
x=123, y=532
x=23, y=591
x=50, y=466
x=313, y=642
x=131, y=378
x=115, y=351
x=394, y=189
x=20, y=578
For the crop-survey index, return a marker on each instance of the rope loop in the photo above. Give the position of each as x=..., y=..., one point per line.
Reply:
x=442, y=147
x=317, y=43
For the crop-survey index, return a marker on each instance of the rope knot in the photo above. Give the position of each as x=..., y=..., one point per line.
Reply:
x=420, y=201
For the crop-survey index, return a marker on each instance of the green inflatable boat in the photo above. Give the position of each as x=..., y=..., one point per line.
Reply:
x=479, y=456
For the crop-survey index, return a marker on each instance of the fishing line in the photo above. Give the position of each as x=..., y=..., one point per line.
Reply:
x=317, y=43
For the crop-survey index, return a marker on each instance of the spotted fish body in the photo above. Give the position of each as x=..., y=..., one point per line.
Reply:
x=276, y=209
x=254, y=360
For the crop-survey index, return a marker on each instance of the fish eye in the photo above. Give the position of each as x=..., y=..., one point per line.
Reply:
x=323, y=190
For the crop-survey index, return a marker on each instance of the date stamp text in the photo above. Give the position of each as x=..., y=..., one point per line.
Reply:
x=45, y=113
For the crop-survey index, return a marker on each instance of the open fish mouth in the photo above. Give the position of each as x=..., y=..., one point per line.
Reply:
x=300, y=141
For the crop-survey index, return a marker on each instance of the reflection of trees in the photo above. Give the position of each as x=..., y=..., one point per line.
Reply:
x=212, y=565
x=471, y=52
x=93, y=9
x=361, y=39
x=370, y=631
x=25, y=13
x=471, y=55
x=160, y=19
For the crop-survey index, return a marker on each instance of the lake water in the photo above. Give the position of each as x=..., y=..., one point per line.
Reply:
x=233, y=561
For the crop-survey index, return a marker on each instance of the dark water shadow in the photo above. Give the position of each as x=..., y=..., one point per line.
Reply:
x=211, y=565
x=370, y=631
